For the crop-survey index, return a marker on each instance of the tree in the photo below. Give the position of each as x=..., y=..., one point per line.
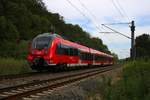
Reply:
x=24, y=19
x=143, y=46
x=8, y=31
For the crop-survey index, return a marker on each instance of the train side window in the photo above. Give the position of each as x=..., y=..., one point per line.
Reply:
x=58, y=49
x=84, y=56
x=76, y=53
x=71, y=51
x=65, y=49
x=81, y=55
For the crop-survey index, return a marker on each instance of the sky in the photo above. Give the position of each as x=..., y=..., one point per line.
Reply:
x=91, y=14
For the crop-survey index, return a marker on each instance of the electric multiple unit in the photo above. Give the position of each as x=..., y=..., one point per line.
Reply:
x=47, y=50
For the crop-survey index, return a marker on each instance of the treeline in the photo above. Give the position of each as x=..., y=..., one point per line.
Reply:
x=21, y=20
x=143, y=46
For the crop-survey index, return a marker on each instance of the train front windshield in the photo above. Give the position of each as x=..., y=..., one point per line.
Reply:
x=41, y=42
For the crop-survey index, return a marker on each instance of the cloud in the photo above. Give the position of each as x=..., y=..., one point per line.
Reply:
x=105, y=12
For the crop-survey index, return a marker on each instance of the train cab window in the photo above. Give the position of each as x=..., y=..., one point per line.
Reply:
x=41, y=42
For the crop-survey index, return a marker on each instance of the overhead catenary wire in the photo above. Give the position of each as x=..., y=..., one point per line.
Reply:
x=116, y=31
x=95, y=19
x=81, y=12
x=114, y=4
x=123, y=23
x=89, y=20
x=92, y=15
x=83, y=5
x=117, y=1
x=86, y=15
x=119, y=9
x=78, y=10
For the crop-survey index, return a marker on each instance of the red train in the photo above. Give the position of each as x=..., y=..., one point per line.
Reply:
x=49, y=50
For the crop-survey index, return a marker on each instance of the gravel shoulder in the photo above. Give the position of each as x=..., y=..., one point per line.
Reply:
x=37, y=77
x=89, y=89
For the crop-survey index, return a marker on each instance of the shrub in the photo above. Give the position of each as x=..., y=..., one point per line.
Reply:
x=13, y=66
x=134, y=84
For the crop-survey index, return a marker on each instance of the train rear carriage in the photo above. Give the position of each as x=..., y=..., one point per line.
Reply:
x=100, y=58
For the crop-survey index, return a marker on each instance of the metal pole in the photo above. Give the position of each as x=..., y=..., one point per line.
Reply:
x=132, y=40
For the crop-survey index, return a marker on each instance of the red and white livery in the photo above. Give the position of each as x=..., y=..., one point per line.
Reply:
x=48, y=50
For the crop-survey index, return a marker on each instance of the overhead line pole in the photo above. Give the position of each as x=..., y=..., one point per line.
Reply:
x=132, y=50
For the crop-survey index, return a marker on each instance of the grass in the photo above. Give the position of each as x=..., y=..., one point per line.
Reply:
x=133, y=85
x=13, y=66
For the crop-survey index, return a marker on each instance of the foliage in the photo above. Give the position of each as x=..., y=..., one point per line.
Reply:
x=15, y=49
x=116, y=59
x=133, y=85
x=21, y=20
x=7, y=29
x=143, y=46
x=19, y=66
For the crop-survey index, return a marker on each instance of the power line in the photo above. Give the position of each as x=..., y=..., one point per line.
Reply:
x=107, y=32
x=119, y=11
x=116, y=31
x=123, y=23
x=78, y=10
x=117, y=1
x=83, y=5
x=94, y=17
x=82, y=14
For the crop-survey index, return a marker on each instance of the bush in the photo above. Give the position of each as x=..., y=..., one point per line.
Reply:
x=14, y=49
x=134, y=84
x=13, y=66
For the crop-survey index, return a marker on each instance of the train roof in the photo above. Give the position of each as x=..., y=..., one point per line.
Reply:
x=80, y=47
x=49, y=35
x=100, y=53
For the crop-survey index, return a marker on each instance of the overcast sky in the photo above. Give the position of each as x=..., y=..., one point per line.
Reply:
x=90, y=14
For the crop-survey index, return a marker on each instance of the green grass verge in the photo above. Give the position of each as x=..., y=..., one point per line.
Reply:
x=13, y=66
x=133, y=85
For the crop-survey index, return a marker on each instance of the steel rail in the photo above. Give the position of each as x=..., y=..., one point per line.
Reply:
x=39, y=86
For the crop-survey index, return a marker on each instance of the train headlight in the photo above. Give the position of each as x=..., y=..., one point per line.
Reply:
x=51, y=61
x=45, y=52
x=32, y=52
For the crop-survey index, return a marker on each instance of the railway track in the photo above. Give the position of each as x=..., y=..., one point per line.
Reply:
x=38, y=87
x=15, y=76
